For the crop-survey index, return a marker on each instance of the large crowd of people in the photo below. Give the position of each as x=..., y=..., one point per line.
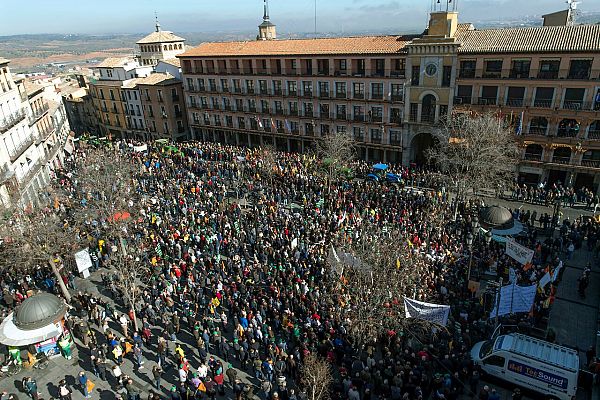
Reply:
x=238, y=279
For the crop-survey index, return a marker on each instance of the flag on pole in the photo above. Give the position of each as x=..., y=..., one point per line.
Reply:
x=520, y=125
x=260, y=125
x=273, y=125
x=287, y=126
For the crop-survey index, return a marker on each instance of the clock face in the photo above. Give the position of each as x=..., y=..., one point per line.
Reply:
x=430, y=69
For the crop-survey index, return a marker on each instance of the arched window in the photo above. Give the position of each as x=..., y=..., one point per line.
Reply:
x=562, y=155
x=180, y=46
x=538, y=126
x=568, y=128
x=170, y=47
x=428, y=108
x=594, y=131
x=533, y=152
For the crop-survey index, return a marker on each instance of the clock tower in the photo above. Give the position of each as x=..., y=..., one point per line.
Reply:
x=431, y=66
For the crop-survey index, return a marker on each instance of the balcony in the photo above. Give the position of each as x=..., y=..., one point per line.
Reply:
x=591, y=163
x=492, y=75
x=308, y=114
x=573, y=105
x=12, y=120
x=547, y=75
x=541, y=103
x=252, y=109
x=35, y=168
x=462, y=100
x=532, y=157
x=293, y=113
x=397, y=98
x=594, y=134
x=537, y=131
x=341, y=95
x=376, y=140
x=567, y=132
x=466, y=73
x=561, y=160
x=516, y=74
x=38, y=113
x=487, y=101
x=20, y=148
x=377, y=96
x=514, y=102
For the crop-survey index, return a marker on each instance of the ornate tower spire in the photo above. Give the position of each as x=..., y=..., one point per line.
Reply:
x=266, y=30
x=266, y=14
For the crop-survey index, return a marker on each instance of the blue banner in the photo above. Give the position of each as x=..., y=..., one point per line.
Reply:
x=538, y=374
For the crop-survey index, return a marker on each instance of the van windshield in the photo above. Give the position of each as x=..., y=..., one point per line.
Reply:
x=486, y=349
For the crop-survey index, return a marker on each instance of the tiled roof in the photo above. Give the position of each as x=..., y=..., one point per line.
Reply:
x=173, y=61
x=329, y=46
x=113, y=62
x=539, y=39
x=160, y=37
x=156, y=79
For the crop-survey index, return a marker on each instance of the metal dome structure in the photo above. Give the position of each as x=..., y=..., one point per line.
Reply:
x=38, y=311
x=496, y=217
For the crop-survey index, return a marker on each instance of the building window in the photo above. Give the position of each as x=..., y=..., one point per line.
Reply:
x=549, y=69
x=324, y=89
x=489, y=95
x=375, y=135
x=467, y=69
x=580, y=69
x=340, y=90
x=515, y=96
x=359, y=133
x=464, y=93
x=446, y=75
x=492, y=69
x=415, y=75
x=520, y=69
x=358, y=88
x=377, y=91
x=376, y=114
x=292, y=88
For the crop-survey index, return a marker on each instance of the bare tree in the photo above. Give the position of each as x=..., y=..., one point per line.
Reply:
x=36, y=236
x=316, y=377
x=336, y=150
x=109, y=203
x=375, y=271
x=476, y=152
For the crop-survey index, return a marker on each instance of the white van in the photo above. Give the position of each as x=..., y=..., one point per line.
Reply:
x=534, y=364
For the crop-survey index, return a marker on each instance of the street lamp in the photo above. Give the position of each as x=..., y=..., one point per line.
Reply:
x=488, y=237
x=470, y=244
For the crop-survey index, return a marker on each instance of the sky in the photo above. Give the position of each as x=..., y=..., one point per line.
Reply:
x=137, y=16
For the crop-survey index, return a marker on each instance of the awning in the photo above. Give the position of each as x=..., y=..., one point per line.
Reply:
x=10, y=335
x=515, y=230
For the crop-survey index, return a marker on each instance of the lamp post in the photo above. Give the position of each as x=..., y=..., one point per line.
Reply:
x=470, y=244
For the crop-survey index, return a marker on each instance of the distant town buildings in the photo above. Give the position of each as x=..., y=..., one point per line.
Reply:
x=142, y=97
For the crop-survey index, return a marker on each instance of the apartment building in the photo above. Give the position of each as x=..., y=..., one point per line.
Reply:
x=163, y=106
x=390, y=92
x=79, y=106
x=550, y=77
x=25, y=125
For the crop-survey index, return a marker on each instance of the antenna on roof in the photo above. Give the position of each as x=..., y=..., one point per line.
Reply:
x=572, y=11
x=315, y=18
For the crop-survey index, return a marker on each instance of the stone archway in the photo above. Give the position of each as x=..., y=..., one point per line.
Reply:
x=419, y=146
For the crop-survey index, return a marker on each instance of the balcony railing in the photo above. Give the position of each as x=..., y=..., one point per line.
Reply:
x=547, y=75
x=462, y=100
x=537, y=131
x=20, y=148
x=591, y=163
x=516, y=74
x=35, y=168
x=542, y=103
x=11, y=120
x=561, y=160
x=594, y=134
x=532, y=157
x=514, y=102
x=487, y=101
x=38, y=113
x=567, y=132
